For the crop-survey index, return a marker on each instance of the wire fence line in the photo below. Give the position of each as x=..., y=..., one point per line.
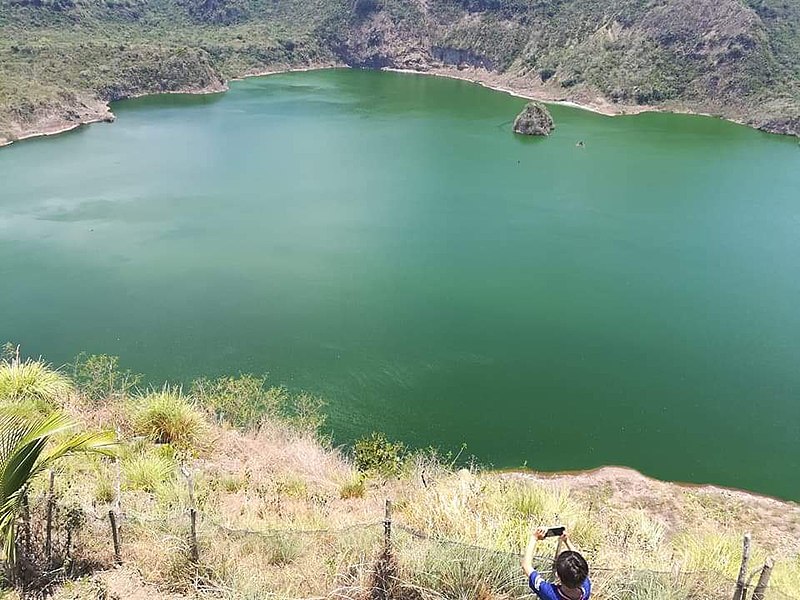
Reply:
x=435, y=561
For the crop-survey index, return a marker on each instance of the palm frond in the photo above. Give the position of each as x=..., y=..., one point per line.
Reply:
x=24, y=454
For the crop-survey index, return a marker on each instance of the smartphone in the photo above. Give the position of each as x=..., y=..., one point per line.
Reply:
x=555, y=531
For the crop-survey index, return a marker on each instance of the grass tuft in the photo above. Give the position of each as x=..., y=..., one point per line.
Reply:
x=169, y=417
x=354, y=487
x=32, y=384
x=147, y=471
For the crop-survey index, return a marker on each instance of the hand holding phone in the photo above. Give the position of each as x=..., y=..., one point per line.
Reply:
x=555, y=531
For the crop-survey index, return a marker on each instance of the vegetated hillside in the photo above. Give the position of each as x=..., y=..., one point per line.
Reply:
x=283, y=514
x=61, y=59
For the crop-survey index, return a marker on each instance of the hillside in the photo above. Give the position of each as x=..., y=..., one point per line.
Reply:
x=281, y=513
x=62, y=60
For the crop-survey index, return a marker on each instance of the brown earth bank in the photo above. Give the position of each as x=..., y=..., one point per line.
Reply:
x=776, y=521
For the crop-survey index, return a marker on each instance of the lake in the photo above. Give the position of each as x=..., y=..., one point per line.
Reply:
x=385, y=241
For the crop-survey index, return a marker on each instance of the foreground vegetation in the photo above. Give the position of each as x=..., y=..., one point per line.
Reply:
x=61, y=60
x=282, y=513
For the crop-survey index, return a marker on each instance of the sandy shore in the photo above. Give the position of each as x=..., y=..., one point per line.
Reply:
x=495, y=82
x=523, y=88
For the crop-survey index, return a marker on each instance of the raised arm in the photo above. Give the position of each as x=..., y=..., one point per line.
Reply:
x=527, y=558
x=566, y=542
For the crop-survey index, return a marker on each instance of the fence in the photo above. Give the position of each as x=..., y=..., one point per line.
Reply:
x=382, y=558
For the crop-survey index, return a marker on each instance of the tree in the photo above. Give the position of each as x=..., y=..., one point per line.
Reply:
x=28, y=447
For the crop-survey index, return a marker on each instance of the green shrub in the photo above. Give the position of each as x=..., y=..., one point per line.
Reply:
x=304, y=412
x=98, y=376
x=376, y=454
x=240, y=401
x=169, y=417
x=244, y=400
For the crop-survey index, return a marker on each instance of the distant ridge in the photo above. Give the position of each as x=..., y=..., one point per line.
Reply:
x=61, y=60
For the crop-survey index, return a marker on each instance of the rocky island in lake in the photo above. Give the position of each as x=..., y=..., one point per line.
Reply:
x=534, y=119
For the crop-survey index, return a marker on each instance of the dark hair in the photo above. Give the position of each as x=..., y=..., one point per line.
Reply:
x=572, y=569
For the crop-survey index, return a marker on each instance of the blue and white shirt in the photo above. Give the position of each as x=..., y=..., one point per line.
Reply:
x=549, y=591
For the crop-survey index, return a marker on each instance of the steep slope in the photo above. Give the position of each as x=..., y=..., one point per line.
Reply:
x=716, y=56
x=735, y=58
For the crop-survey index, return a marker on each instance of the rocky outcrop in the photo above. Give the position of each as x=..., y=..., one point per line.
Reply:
x=783, y=126
x=534, y=119
x=52, y=117
x=457, y=57
x=378, y=41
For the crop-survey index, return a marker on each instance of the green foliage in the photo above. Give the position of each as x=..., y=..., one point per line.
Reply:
x=28, y=447
x=98, y=377
x=9, y=352
x=539, y=503
x=33, y=386
x=457, y=572
x=353, y=487
x=147, y=470
x=647, y=586
x=104, y=491
x=375, y=454
x=240, y=401
x=715, y=55
x=282, y=550
x=169, y=417
x=244, y=400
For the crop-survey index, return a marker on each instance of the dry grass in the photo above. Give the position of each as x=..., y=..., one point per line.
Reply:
x=280, y=514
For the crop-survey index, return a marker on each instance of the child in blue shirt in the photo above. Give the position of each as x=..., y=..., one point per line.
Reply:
x=571, y=567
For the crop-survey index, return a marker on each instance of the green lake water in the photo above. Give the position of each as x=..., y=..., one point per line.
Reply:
x=385, y=241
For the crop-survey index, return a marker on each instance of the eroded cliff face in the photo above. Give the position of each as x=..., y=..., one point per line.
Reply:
x=378, y=41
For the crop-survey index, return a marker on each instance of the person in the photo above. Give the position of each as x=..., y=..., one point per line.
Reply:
x=571, y=567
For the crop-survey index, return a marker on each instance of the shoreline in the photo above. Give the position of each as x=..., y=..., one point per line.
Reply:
x=494, y=81
x=104, y=114
x=447, y=74
x=631, y=475
x=598, y=106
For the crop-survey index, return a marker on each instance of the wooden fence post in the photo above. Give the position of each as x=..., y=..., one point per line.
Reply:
x=118, y=479
x=387, y=524
x=48, y=541
x=26, y=523
x=738, y=593
x=555, y=557
x=115, y=537
x=763, y=580
x=194, y=549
